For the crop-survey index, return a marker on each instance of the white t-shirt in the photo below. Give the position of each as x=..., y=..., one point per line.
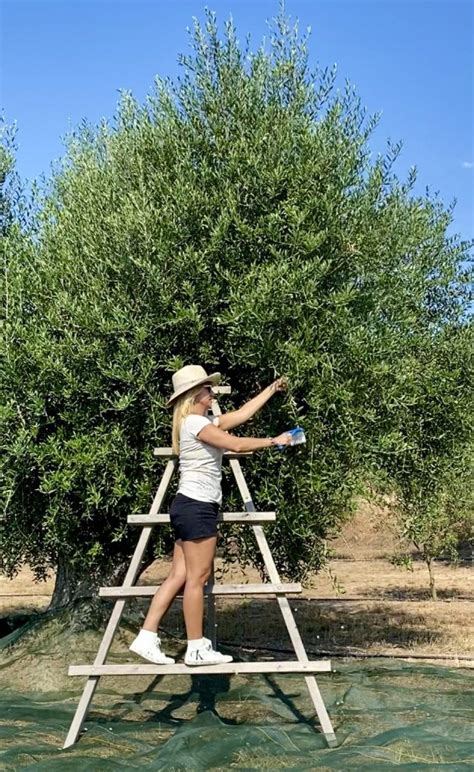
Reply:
x=200, y=465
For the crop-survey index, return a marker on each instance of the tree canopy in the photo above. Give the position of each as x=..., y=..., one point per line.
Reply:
x=236, y=219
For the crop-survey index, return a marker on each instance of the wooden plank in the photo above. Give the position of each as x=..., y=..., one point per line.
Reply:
x=168, y=453
x=225, y=517
x=130, y=578
x=177, y=669
x=146, y=590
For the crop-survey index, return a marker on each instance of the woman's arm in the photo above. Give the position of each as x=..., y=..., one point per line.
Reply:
x=218, y=438
x=238, y=417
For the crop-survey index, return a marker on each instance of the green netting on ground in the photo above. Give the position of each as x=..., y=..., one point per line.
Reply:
x=394, y=715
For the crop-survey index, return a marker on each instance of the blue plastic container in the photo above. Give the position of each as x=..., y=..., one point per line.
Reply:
x=297, y=437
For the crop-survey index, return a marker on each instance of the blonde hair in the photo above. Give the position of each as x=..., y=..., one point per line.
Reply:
x=181, y=408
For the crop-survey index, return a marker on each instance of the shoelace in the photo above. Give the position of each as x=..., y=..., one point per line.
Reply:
x=158, y=646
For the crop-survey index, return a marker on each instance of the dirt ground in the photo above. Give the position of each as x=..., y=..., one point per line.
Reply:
x=361, y=604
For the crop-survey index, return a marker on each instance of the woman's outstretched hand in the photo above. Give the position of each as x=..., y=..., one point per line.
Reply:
x=282, y=439
x=281, y=384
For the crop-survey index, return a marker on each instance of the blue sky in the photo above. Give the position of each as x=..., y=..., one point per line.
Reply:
x=65, y=60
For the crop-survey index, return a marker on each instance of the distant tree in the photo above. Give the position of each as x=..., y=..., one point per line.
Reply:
x=433, y=470
x=8, y=183
x=237, y=220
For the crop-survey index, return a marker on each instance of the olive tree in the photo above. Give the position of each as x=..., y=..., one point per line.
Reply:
x=236, y=219
x=432, y=472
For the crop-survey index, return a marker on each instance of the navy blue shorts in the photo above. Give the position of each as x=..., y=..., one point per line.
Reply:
x=193, y=519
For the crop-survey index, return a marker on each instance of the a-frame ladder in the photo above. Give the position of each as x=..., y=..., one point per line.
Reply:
x=129, y=590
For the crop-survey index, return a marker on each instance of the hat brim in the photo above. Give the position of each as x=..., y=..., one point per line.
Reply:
x=213, y=379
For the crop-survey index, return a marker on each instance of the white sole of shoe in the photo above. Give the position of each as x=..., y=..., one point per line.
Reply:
x=204, y=663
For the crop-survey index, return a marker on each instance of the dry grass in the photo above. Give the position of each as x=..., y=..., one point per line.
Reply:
x=255, y=759
x=361, y=603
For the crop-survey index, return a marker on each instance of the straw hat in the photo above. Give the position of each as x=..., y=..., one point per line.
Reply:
x=188, y=377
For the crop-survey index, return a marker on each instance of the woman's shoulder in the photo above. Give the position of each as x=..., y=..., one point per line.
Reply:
x=195, y=422
x=195, y=417
x=212, y=419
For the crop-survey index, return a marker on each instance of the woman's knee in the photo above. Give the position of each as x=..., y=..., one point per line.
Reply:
x=178, y=575
x=198, y=577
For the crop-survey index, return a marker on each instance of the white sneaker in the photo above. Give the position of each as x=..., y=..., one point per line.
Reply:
x=148, y=646
x=205, y=655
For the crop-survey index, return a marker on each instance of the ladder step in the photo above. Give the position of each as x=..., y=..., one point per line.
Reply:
x=226, y=517
x=146, y=590
x=168, y=453
x=317, y=666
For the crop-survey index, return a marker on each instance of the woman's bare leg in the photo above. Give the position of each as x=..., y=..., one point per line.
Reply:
x=198, y=555
x=168, y=591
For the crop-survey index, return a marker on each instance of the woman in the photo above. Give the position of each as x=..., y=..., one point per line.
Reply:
x=200, y=443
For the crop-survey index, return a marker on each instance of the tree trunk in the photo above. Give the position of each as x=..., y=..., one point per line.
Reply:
x=429, y=563
x=72, y=584
x=69, y=585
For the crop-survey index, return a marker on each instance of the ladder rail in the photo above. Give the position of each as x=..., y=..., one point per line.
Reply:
x=91, y=684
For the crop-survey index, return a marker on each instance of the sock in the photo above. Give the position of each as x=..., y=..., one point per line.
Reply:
x=147, y=636
x=195, y=643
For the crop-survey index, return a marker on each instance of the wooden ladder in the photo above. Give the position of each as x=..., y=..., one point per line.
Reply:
x=129, y=590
